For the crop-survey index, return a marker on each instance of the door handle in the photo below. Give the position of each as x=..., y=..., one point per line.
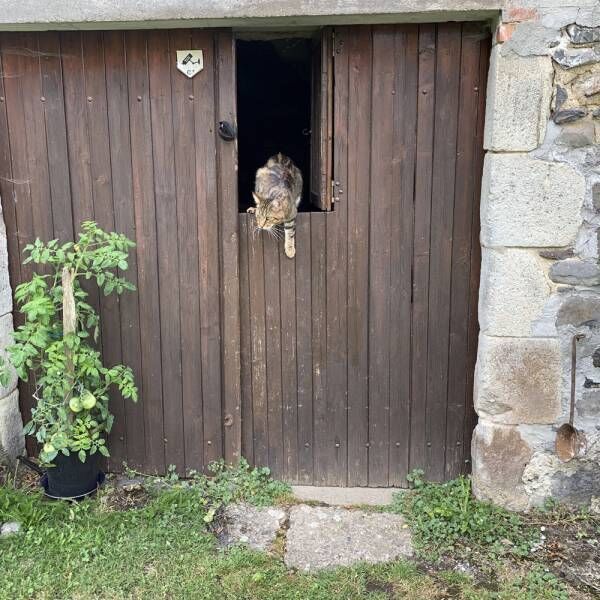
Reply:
x=227, y=131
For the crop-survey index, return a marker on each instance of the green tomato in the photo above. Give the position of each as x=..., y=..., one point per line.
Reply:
x=75, y=404
x=49, y=448
x=88, y=400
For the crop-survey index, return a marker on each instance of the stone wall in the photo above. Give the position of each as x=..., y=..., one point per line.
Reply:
x=11, y=426
x=540, y=280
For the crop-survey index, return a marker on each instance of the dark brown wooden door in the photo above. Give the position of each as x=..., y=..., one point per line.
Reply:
x=101, y=125
x=358, y=355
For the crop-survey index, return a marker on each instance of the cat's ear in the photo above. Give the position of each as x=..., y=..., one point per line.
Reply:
x=257, y=198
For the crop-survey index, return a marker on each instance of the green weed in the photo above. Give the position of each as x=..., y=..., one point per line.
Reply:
x=445, y=517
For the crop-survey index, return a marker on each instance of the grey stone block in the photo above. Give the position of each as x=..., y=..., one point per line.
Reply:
x=583, y=35
x=557, y=18
x=578, y=308
x=518, y=380
x=579, y=57
x=512, y=292
x=588, y=84
x=557, y=253
x=11, y=426
x=578, y=135
x=589, y=16
x=519, y=96
x=589, y=405
x=560, y=97
x=596, y=196
x=575, y=482
x=528, y=202
x=560, y=117
x=499, y=456
x=576, y=272
x=531, y=38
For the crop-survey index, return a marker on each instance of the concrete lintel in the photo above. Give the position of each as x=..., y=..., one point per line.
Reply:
x=128, y=14
x=339, y=496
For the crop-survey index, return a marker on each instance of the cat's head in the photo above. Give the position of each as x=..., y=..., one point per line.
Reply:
x=270, y=212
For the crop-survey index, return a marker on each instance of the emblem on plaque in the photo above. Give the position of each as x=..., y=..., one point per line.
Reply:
x=190, y=62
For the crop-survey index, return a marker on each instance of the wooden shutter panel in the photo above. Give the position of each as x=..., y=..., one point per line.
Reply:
x=322, y=116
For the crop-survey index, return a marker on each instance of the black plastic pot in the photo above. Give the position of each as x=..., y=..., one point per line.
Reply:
x=71, y=478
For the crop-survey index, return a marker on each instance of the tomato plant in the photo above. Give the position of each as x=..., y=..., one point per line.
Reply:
x=57, y=351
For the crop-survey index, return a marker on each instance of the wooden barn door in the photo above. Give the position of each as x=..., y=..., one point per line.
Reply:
x=102, y=125
x=358, y=355
x=409, y=107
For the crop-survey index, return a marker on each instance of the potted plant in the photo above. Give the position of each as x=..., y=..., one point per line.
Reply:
x=55, y=348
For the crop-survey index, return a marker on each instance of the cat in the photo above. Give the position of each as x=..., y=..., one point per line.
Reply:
x=277, y=194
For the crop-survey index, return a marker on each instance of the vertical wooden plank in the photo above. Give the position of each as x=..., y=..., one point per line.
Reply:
x=336, y=450
x=208, y=243
x=165, y=198
x=20, y=207
x=304, y=317
x=37, y=151
x=7, y=185
x=461, y=250
x=187, y=242
x=258, y=348
x=76, y=122
x=246, y=340
x=358, y=44
x=470, y=415
x=289, y=378
x=322, y=120
x=56, y=137
x=442, y=202
x=100, y=166
x=145, y=223
x=379, y=258
x=78, y=143
x=273, y=354
x=228, y=207
x=35, y=133
x=321, y=426
x=124, y=217
x=401, y=250
x=422, y=203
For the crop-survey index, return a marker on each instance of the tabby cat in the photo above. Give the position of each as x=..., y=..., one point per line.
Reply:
x=277, y=194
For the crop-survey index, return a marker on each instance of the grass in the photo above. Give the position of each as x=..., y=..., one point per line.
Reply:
x=163, y=549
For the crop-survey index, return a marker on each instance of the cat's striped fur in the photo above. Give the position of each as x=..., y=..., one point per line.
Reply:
x=277, y=194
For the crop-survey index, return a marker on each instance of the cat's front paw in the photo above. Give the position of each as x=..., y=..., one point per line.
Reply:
x=290, y=251
x=251, y=210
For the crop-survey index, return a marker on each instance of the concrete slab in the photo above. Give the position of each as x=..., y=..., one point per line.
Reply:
x=257, y=527
x=108, y=14
x=338, y=496
x=322, y=537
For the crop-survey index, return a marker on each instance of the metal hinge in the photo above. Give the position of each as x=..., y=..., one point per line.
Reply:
x=336, y=191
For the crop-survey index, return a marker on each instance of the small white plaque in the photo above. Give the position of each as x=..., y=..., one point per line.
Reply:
x=190, y=62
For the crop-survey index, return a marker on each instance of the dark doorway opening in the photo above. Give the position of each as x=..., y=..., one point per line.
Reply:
x=273, y=108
